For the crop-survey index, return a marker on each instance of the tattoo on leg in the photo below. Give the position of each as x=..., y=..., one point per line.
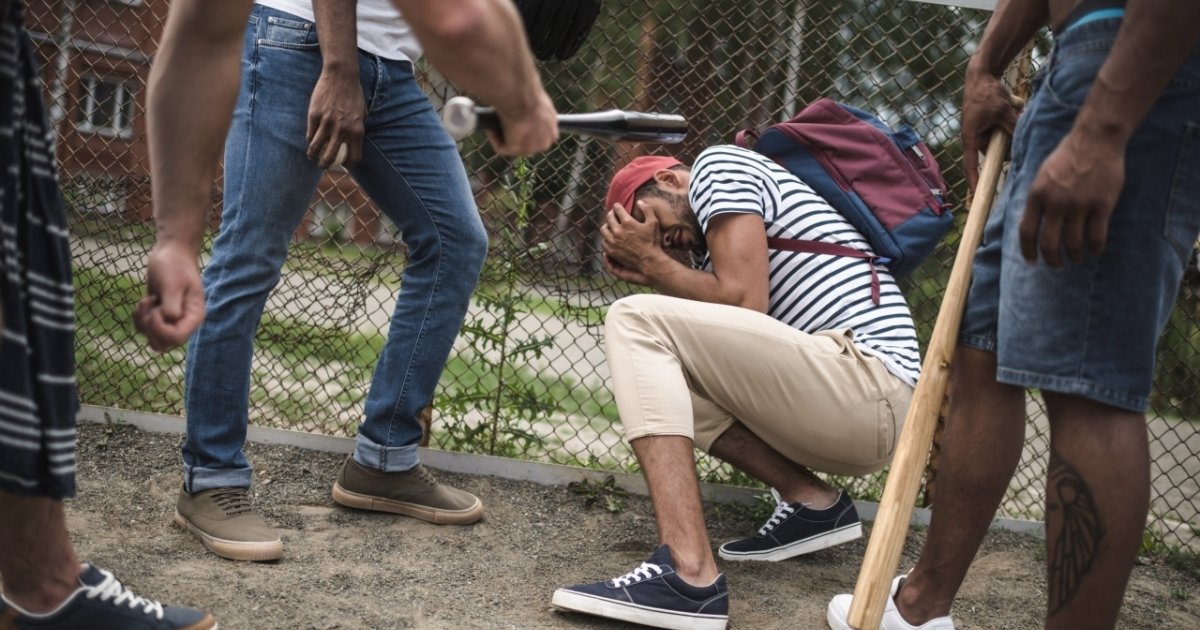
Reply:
x=1079, y=537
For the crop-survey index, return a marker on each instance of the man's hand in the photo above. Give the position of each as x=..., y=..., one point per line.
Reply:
x=1072, y=199
x=335, y=116
x=987, y=105
x=630, y=243
x=621, y=272
x=173, y=306
x=527, y=130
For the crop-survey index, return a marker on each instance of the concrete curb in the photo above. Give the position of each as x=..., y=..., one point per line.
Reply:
x=515, y=469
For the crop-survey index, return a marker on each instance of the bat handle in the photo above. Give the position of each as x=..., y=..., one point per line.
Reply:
x=461, y=117
x=487, y=118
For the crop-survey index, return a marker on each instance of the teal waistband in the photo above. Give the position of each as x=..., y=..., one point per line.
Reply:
x=1099, y=14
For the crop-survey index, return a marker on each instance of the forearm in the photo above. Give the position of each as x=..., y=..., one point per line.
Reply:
x=1012, y=25
x=187, y=117
x=670, y=277
x=1154, y=39
x=338, y=30
x=472, y=43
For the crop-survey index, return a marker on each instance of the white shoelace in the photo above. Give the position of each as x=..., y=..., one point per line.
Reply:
x=112, y=589
x=782, y=511
x=638, y=574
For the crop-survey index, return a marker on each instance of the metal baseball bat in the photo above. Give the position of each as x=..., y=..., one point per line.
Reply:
x=912, y=449
x=461, y=117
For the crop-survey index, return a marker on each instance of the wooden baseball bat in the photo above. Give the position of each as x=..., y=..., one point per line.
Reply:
x=904, y=480
x=461, y=118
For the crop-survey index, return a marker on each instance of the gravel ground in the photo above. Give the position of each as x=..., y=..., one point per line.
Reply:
x=352, y=569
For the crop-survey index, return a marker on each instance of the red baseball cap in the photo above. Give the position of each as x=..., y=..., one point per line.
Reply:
x=632, y=176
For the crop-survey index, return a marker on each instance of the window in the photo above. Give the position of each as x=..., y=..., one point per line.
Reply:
x=105, y=106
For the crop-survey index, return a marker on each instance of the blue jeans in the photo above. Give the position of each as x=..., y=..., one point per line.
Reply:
x=1090, y=328
x=410, y=168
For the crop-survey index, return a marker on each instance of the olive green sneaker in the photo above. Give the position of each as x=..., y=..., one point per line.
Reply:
x=414, y=493
x=224, y=521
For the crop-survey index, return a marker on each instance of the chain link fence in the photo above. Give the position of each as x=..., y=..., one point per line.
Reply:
x=528, y=378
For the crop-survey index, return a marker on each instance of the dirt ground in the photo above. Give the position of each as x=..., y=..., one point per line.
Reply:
x=352, y=569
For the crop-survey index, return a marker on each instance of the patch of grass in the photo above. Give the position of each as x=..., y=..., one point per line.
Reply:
x=114, y=382
x=365, y=263
x=464, y=373
x=299, y=340
x=1173, y=554
x=607, y=494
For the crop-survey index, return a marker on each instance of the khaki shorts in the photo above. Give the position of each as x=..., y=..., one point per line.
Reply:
x=681, y=367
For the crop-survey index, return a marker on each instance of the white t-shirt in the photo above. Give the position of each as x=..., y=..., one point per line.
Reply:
x=381, y=29
x=810, y=292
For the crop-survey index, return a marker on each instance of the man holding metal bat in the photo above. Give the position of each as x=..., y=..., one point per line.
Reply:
x=777, y=362
x=1080, y=265
x=328, y=82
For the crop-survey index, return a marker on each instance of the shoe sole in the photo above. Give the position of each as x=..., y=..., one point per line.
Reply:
x=837, y=617
x=798, y=548
x=655, y=617
x=423, y=512
x=233, y=549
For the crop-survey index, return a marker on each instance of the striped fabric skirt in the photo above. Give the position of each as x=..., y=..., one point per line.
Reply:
x=38, y=399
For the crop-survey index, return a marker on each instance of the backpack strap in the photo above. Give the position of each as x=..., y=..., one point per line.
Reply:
x=746, y=138
x=831, y=249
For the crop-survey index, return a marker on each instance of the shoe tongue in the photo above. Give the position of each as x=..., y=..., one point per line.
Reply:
x=90, y=576
x=662, y=557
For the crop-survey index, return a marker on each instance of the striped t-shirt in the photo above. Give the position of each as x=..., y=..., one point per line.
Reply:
x=810, y=292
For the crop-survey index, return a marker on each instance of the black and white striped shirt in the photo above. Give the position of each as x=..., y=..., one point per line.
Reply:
x=810, y=292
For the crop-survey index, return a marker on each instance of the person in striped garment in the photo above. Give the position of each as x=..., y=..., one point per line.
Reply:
x=44, y=585
x=777, y=362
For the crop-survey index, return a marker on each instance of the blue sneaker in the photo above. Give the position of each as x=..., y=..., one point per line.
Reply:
x=652, y=595
x=795, y=529
x=103, y=603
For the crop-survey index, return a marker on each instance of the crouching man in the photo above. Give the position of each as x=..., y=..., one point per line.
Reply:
x=777, y=362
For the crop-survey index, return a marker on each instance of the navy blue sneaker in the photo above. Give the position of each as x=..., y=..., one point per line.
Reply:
x=795, y=529
x=103, y=603
x=652, y=595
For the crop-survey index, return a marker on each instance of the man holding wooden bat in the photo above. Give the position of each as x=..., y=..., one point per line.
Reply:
x=778, y=362
x=1080, y=265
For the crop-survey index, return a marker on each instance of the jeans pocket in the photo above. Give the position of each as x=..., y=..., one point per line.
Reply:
x=1182, y=224
x=1072, y=74
x=292, y=34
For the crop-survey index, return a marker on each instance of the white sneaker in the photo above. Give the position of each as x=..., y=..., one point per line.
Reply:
x=839, y=610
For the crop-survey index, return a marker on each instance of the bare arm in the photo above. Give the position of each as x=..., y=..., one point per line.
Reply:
x=987, y=102
x=1077, y=187
x=192, y=89
x=480, y=46
x=337, y=108
x=737, y=244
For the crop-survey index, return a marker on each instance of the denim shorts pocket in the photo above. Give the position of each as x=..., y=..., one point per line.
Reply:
x=292, y=34
x=1183, y=206
x=1071, y=76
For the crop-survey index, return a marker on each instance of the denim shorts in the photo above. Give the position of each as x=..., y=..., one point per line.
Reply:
x=1090, y=329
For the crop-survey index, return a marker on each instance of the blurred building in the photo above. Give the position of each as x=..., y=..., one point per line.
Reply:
x=96, y=57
